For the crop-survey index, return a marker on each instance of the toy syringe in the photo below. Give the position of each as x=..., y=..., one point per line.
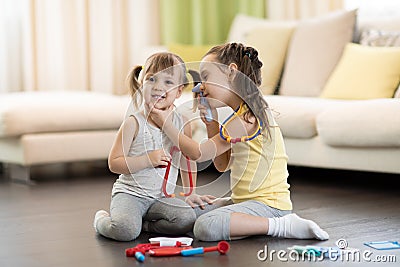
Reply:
x=203, y=101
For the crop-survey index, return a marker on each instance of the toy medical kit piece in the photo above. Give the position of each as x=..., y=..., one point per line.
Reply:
x=203, y=101
x=222, y=248
x=139, y=256
x=324, y=252
x=236, y=113
x=167, y=251
x=189, y=170
x=383, y=245
x=171, y=241
x=139, y=251
x=164, y=244
x=305, y=250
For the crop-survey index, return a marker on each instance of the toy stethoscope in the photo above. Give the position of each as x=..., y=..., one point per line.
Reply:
x=164, y=186
x=237, y=112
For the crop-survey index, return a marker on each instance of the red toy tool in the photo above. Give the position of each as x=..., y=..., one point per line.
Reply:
x=167, y=251
x=164, y=186
x=155, y=250
x=222, y=248
x=139, y=251
x=165, y=245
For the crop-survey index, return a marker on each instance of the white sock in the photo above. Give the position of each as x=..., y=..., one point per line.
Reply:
x=292, y=226
x=99, y=214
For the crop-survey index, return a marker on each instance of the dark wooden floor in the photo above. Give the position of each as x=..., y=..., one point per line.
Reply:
x=50, y=223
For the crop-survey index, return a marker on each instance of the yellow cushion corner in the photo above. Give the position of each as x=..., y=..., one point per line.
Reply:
x=189, y=53
x=271, y=41
x=364, y=72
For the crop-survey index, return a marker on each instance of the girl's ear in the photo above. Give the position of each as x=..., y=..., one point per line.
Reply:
x=232, y=70
x=233, y=66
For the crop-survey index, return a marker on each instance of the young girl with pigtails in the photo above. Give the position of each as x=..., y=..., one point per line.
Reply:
x=140, y=153
x=249, y=143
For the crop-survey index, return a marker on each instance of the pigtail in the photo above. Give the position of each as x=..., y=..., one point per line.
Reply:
x=251, y=64
x=134, y=86
x=195, y=77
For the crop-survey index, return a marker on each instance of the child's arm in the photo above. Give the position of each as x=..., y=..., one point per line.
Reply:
x=118, y=160
x=200, y=152
x=193, y=199
x=222, y=161
x=208, y=150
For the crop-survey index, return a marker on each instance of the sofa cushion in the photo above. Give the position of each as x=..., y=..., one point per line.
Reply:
x=365, y=72
x=271, y=42
x=364, y=123
x=189, y=53
x=381, y=24
x=315, y=48
x=243, y=24
x=38, y=112
x=296, y=115
x=380, y=38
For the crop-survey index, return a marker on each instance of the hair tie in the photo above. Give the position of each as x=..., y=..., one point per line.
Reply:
x=247, y=53
x=142, y=67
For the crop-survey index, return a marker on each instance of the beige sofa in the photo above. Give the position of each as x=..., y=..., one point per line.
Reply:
x=51, y=127
x=330, y=116
x=328, y=122
x=38, y=128
x=364, y=134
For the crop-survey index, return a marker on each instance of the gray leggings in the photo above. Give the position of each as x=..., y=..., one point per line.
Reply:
x=213, y=223
x=129, y=215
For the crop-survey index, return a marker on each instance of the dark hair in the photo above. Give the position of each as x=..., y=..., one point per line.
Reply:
x=155, y=63
x=246, y=86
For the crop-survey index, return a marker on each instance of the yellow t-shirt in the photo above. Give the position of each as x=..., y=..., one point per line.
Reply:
x=259, y=170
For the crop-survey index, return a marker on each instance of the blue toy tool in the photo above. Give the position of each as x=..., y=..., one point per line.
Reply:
x=203, y=101
x=139, y=256
x=222, y=248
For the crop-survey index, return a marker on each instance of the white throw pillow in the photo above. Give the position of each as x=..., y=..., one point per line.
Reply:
x=315, y=49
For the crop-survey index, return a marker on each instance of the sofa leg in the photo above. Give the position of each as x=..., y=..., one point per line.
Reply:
x=19, y=173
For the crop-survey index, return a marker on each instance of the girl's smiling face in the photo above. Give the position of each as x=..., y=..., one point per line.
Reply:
x=161, y=89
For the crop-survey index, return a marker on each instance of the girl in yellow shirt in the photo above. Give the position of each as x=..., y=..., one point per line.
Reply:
x=249, y=143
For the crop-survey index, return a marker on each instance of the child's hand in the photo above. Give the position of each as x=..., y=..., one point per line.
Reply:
x=158, y=158
x=159, y=116
x=195, y=200
x=204, y=111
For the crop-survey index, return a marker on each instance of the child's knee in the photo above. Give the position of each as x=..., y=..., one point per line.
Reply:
x=125, y=232
x=185, y=221
x=208, y=228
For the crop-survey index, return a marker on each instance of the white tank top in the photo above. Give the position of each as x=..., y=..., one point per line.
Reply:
x=148, y=182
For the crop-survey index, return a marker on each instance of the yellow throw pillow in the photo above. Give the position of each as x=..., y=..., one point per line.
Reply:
x=189, y=53
x=364, y=72
x=271, y=42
